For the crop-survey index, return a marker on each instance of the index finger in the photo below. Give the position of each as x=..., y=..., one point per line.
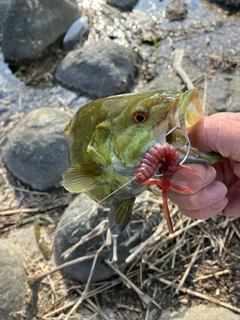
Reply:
x=219, y=133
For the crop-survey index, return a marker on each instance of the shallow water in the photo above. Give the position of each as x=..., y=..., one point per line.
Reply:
x=204, y=21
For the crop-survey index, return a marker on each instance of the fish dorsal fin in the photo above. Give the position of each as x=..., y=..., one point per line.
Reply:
x=80, y=178
x=119, y=216
x=66, y=129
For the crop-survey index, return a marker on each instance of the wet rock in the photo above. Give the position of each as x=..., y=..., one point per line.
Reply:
x=223, y=93
x=176, y=10
x=98, y=70
x=4, y=5
x=12, y=280
x=166, y=82
x=76, y=222
x=231, y=5
x=79, y=29
x=32, y=26
x=36, y=150
x=200, y=312
x=124, y=5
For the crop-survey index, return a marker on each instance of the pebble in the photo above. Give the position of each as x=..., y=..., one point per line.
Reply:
x=78, y=29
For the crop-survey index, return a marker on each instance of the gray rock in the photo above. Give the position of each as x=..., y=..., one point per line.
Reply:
x=201, y=312
x=75, y=223
x=123, y=5
x=98, y=70
x=166, y=82
x=78, y=29
x=24, y=238
x=231, y=5
x=36, y=150
x=176, y=10
x=32, y=26
x=4, y=5
x=223, y=93
x=12, y=281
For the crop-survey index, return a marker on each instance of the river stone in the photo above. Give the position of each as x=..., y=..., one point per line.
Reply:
x=230, y=5
x=12, y=280
x=176, y=10
x=79, y=29
x=36, y=150
x=166, y=82
x=123, y=5
x=200, y=312
x=77, y=221
x=223, y=93
x=32, y=26
x=98, y=70
x=4, y=5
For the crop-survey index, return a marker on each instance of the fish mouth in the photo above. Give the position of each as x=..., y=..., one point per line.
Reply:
x=184, y=113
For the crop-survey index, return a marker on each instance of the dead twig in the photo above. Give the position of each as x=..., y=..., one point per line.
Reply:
x=211, y=275
x=62, y=266
x=177, y=65
x=83, y=295
x=202, y=296
x=144, y=297
x=99, y=229
x=186, y=273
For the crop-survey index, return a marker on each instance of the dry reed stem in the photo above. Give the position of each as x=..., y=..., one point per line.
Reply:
x=177, y=65
x=99, y=229
x=216, y=274
x=186, y=273
x=144, y=297
x=83, y=295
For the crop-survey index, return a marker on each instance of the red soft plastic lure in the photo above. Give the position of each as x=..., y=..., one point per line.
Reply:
x=161, y=159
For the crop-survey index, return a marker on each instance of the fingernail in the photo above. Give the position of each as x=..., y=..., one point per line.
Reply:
x=192, y=175
x=216, y=191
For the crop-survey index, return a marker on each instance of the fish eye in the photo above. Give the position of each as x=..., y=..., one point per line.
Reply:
x=139, y=116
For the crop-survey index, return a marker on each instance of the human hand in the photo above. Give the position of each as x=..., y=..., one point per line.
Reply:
x=217, y=187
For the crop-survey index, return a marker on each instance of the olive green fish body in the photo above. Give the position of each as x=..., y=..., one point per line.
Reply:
x=107, y=138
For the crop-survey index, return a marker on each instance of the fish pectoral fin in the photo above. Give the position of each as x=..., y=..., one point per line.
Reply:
x=80, y=178
x=119, y=216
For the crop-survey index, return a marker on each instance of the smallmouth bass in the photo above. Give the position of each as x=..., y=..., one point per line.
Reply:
x=108, y=137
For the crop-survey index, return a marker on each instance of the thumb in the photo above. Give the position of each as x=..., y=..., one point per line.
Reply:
x=219, y=133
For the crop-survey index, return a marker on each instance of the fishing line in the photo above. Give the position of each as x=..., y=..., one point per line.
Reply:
x=97, y=203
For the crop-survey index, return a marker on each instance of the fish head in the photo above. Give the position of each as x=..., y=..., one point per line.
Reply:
x=140, y=124
x=145, y=119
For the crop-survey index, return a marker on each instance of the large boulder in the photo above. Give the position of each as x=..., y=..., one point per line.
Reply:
x=98, y=70
x=32, y=26
x=4, y=5
x=77, y=221
x=36, y=150
x=230, y=5
x=123, y=5
x=13, y=282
